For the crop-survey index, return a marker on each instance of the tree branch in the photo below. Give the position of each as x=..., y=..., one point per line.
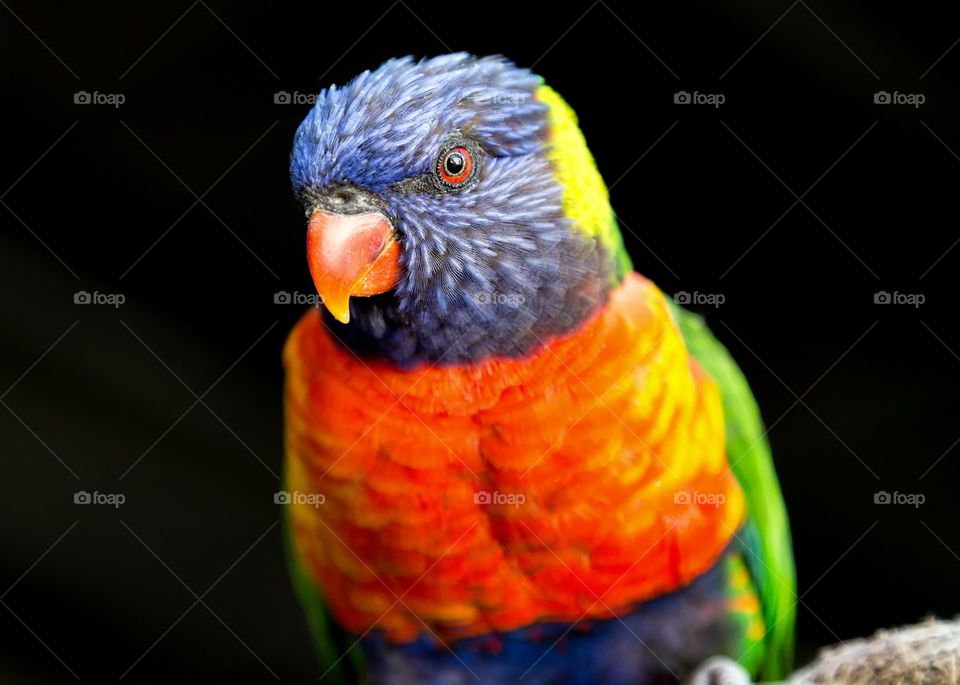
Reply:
x=924, y=654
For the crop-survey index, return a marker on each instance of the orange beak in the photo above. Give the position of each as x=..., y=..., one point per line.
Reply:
x=351, y=255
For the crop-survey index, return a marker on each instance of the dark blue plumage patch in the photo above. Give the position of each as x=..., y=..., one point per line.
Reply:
x=659, y=642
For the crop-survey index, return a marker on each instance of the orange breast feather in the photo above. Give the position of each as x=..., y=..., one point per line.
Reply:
x=574, y=483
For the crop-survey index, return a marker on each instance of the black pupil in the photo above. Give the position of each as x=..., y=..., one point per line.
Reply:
x=454, y=164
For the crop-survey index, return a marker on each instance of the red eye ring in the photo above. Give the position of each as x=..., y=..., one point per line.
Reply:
x=455, y=166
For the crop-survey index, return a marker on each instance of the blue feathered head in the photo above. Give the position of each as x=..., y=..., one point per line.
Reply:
x=437, y=227
x=388, y=125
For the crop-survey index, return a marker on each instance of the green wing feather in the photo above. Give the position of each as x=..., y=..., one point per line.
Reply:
x=766, y=536
x=341, y=661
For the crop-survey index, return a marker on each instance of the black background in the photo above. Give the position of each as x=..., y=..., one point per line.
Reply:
x=104, y=199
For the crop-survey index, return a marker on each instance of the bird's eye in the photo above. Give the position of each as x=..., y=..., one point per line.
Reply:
x=455, y=166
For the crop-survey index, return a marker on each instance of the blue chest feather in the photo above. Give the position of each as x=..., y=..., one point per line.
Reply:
x=660, y=641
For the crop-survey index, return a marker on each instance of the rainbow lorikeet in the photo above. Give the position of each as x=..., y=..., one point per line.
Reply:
x=532, y=464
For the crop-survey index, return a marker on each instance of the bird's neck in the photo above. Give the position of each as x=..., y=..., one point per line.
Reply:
x=482, y=321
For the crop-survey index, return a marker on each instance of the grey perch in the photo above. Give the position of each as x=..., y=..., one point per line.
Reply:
x=924, y=654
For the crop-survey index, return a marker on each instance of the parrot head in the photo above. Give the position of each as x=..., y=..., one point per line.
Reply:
x=454, y=211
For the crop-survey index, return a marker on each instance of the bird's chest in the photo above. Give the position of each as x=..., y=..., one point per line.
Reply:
x=459, y=501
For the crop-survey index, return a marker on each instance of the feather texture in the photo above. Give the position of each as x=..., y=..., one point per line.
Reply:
x=603, y=450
